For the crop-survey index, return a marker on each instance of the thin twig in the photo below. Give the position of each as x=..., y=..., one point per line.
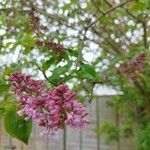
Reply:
x=145, y=35
x=91, y=93
x=44, y=74
x=56, y=17
x=133, y=16
x=98, y=7
x=108, y=11
x=117, y=6
x=108, y=3
x=138, y=20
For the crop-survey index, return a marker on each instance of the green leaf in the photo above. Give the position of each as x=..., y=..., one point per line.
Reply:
x=4, y=87
x=16, y=126
x=66, y=7
x=87, y=71
x=148, y=3
x=2, y=110
x=74, y=1
x=6, y=104
x=8, y=71
x=28, y=42
x=141, y=5
x=55, y=77
x=48, y=63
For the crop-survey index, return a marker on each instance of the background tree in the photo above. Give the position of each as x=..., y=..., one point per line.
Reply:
x=86, y=44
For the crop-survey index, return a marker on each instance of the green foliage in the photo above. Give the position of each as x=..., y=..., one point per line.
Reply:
x=48, y=63
x=58, y=71
x=144, y=136
x=16, y=126
x=5, y=104
x=141, y=5
x=87, y=71
x=108, y=29
x=109, y=129
x=3, y=87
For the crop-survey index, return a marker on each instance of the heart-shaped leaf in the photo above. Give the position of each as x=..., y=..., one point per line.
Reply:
x=16, y=126
x=87, y=71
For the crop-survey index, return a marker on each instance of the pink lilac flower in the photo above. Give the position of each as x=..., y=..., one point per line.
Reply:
x=135, y=65
x=22, y=83
x=54, y=46
x=52, y=110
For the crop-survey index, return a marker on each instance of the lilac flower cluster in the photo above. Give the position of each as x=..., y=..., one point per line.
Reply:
x=133, y=66
x=35, y=25
x=51, y=45
x=34, y=20
x=54, y=46
x=53, y=109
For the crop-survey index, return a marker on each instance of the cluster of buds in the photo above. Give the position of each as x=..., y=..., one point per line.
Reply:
x=35, y=25
x=51, y=45
x=52, y=110
x=34, y=20
x=133, y=66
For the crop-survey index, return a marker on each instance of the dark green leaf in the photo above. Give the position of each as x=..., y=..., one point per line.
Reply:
x=140, y=5
x=2, y=110
x=3, y=88
x=48, y=63
x=16, y=126
x=55, y=77
x=6, y=104
x=87, y=71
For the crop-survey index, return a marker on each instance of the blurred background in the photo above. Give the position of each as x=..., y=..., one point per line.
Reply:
x=88, y=139
x=100, y=48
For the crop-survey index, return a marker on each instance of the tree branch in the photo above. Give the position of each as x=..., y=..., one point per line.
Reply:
x=44, y=74
x=110, y=10
x=145, y=35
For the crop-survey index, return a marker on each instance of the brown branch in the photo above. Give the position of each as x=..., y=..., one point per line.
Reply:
x=44, y=74
x=108, y=11
x=91, y=92
x=138, y=20
x=116, y=49
x=108, y=3
x=120, y=5
x=55, y=17
x=98, y=7
x=145, y=35
x=133, y=16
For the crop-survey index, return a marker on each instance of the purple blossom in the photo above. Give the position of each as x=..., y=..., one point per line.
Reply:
x=132, y=67
x=52, y=110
